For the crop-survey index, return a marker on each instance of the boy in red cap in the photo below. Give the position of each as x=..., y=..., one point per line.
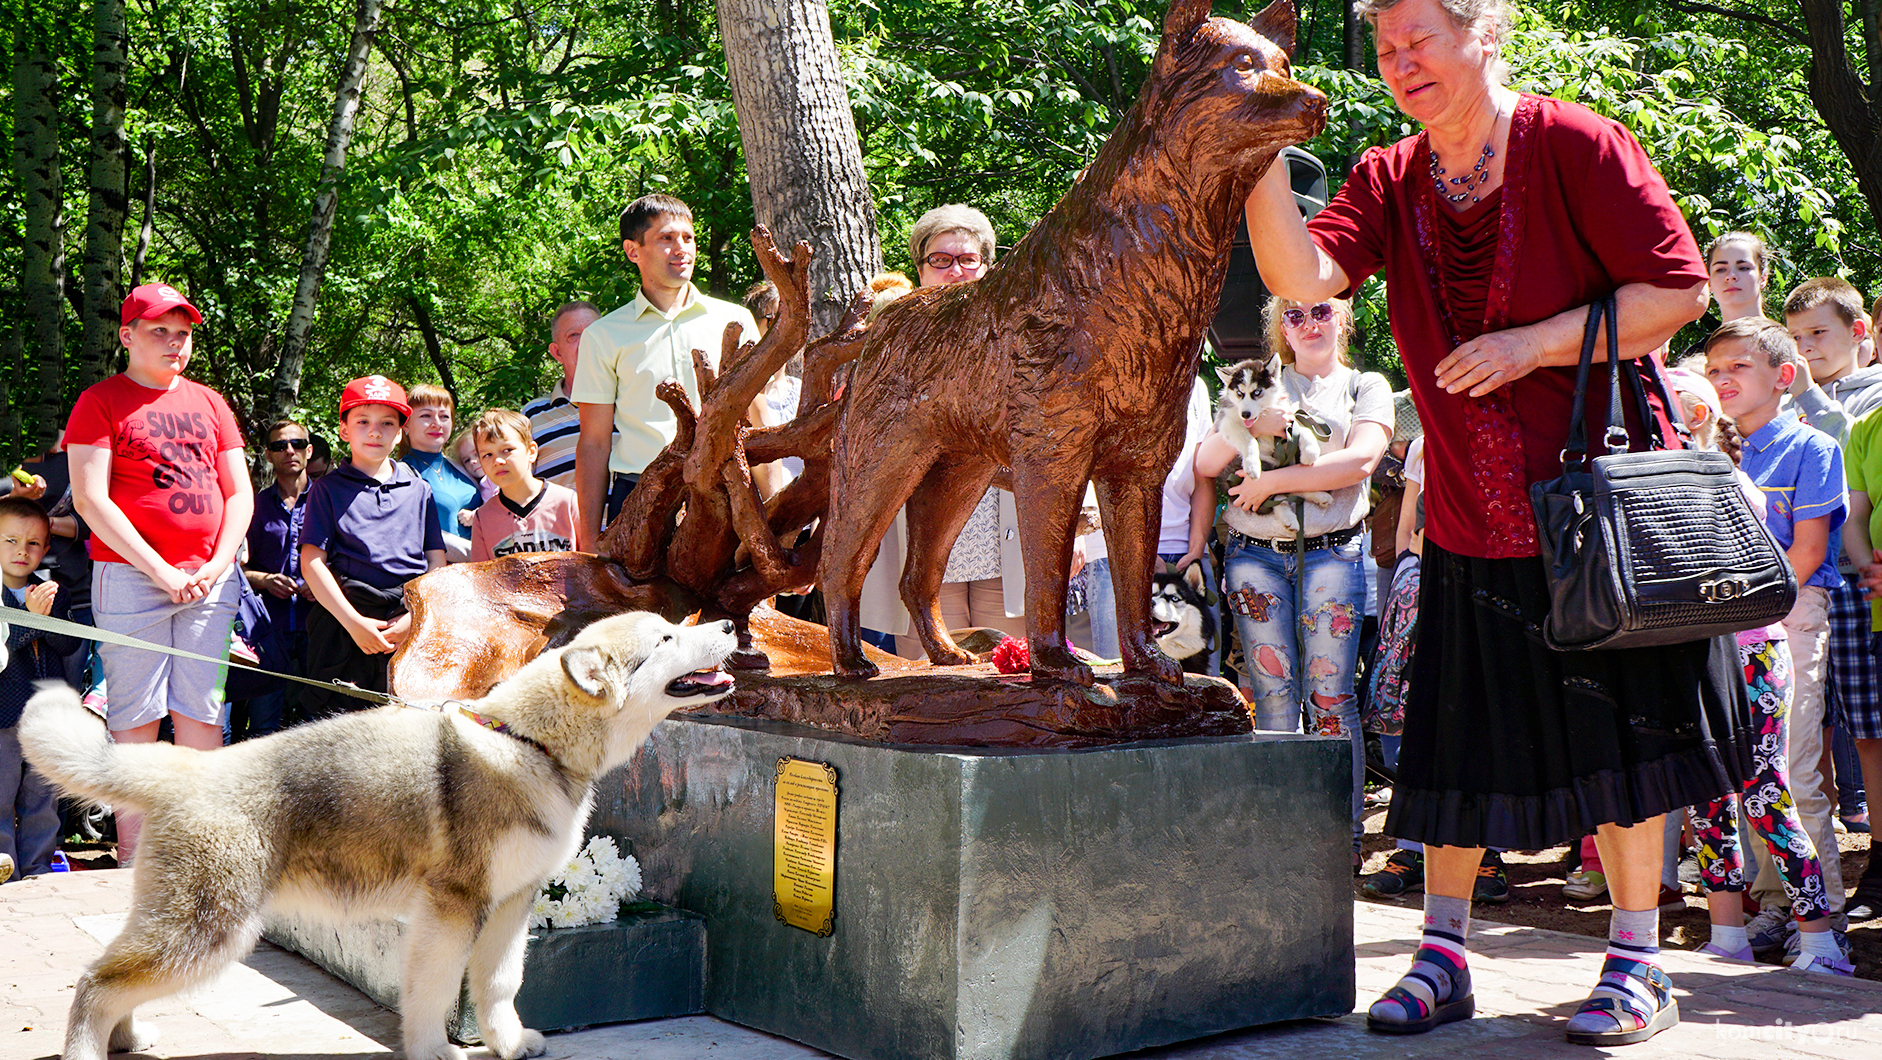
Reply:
x=159, y=475
x=368, y=530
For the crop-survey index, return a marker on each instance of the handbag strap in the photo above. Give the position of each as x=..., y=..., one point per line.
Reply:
x=1578, y=416
x=1616, y=438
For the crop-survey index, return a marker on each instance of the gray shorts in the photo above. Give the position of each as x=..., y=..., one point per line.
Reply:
x=143, y=686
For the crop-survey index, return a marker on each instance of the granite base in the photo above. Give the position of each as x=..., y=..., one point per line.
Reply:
x=995, y=904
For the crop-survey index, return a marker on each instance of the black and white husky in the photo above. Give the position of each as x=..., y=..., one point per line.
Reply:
x=1250, y=388
x=1180, y=617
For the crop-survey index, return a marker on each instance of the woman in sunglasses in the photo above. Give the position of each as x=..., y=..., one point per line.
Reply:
x=1304, y=648
x=273, y=568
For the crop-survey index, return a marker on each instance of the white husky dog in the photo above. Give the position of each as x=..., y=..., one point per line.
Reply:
x=1250, y=388
x=453, y=818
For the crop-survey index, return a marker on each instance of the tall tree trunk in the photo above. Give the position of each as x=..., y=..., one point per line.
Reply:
x=104, y=216
x=42, y=277
x=287, y=375
x=801, y=153
x=12, y=352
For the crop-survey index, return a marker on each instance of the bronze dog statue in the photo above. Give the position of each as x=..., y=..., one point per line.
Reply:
x=1072, y=358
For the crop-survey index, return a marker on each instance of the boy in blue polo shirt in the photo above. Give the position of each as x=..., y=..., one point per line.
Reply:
x=368, y=530
x=1752, y=362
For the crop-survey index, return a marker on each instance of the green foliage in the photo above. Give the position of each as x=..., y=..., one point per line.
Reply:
x=497, y=144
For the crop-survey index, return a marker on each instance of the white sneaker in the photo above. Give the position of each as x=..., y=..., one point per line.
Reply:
x=1770, y=929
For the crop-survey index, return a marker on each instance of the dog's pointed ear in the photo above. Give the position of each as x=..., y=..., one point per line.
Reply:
x=1225, y=373
x=1185, y=15
x=1192, y=576
x=587, y=669
x=1276, y=22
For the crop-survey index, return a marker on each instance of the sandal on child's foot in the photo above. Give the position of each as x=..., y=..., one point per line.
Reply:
x=1404, y=1010
x=1617, y=1012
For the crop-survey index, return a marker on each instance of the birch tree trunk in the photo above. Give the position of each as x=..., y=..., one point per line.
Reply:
x=42, y=275
x=287, y=376
x=801, y=152
x=104, y=216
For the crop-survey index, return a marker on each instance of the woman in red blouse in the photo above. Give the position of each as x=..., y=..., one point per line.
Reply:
x=1495, y=227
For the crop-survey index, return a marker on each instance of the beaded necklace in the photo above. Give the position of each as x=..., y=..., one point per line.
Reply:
x=1469, y=182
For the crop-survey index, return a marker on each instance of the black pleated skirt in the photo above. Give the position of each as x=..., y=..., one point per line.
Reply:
x=1509, y=743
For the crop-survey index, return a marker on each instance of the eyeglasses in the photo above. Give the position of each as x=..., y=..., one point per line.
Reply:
x=280, y=445
x=1322, y=313
x=940, y=262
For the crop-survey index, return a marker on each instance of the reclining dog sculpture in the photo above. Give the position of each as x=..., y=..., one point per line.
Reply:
x=1071, y=359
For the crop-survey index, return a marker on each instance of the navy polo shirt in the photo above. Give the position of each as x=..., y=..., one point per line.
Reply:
x=274, y=547
x=374, y=532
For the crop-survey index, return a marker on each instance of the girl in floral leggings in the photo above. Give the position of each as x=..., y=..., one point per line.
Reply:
x=1764, y=658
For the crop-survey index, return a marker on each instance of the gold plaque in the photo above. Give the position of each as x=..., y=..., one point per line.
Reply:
x=804, y=846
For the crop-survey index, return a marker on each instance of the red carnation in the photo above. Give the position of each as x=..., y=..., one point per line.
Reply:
x=1011, y=657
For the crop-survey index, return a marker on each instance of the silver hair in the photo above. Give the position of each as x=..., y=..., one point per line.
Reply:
x=953, y=217
x=1496, y=14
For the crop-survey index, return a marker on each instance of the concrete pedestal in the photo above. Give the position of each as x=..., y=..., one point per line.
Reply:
x=1000, y=904
x=646, y=965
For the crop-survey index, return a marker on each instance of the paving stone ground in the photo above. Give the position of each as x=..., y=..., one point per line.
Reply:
x=1528, y=980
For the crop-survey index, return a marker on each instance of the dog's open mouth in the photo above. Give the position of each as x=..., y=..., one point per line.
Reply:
x=700, y=683
x=1162, y=629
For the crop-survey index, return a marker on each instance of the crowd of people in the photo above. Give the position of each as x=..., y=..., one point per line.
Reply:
x=1406, y=606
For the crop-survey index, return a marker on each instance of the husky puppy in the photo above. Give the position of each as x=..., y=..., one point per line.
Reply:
x=1250, y=388
x=453, y=818
x=1180, y=617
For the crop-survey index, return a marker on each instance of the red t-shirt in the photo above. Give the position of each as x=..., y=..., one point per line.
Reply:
x=164, y=448
x=1581, y=212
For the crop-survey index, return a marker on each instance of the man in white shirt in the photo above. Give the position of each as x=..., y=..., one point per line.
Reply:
x=627, y=353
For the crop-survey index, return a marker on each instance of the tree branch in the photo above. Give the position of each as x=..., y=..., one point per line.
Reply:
x=1696, y=6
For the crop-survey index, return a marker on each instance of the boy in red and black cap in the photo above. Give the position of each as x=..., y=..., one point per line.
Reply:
x=159, y=476
x=368, y=530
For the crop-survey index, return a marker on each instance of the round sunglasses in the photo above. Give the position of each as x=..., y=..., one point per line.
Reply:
x=1321, y=312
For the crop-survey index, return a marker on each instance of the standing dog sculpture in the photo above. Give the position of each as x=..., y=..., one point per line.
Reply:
x=1071, y=360
x=454, y=818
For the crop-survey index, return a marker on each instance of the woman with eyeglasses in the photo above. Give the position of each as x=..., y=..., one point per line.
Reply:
x=984, y=584
x=1304, y=648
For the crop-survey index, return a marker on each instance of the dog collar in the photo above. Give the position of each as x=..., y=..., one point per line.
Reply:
x=497, y=726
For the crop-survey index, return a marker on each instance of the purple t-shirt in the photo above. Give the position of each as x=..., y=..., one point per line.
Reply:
x=374, y=532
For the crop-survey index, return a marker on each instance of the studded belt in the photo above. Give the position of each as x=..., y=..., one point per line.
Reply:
x=1331, y=539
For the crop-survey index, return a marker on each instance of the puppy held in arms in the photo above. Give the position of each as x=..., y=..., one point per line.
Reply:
x=1250, y=388
x=451, y=818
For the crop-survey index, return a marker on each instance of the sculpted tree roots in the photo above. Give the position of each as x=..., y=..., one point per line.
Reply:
x=693, y=536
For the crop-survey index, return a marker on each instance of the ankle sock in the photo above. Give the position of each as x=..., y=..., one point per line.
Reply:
x=1439, y=972
x=1633, y=955
x=1820, y=944
x=1730, y=939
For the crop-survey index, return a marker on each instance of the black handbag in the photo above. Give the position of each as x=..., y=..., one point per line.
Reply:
x=1650, y=548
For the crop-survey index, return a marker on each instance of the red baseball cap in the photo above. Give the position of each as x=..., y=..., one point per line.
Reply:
x=153, y=300
x=374, y=390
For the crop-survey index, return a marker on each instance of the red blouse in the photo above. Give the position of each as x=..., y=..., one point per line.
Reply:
x=1581, y=212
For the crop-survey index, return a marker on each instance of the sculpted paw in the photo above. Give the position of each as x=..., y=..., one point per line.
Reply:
x=441, y=1051
x=856, y=667
x=1061, y=665
x=948, y=655
x=1151, y=661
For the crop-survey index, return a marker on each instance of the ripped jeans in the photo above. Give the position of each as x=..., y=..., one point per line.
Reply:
x=1259, y=585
